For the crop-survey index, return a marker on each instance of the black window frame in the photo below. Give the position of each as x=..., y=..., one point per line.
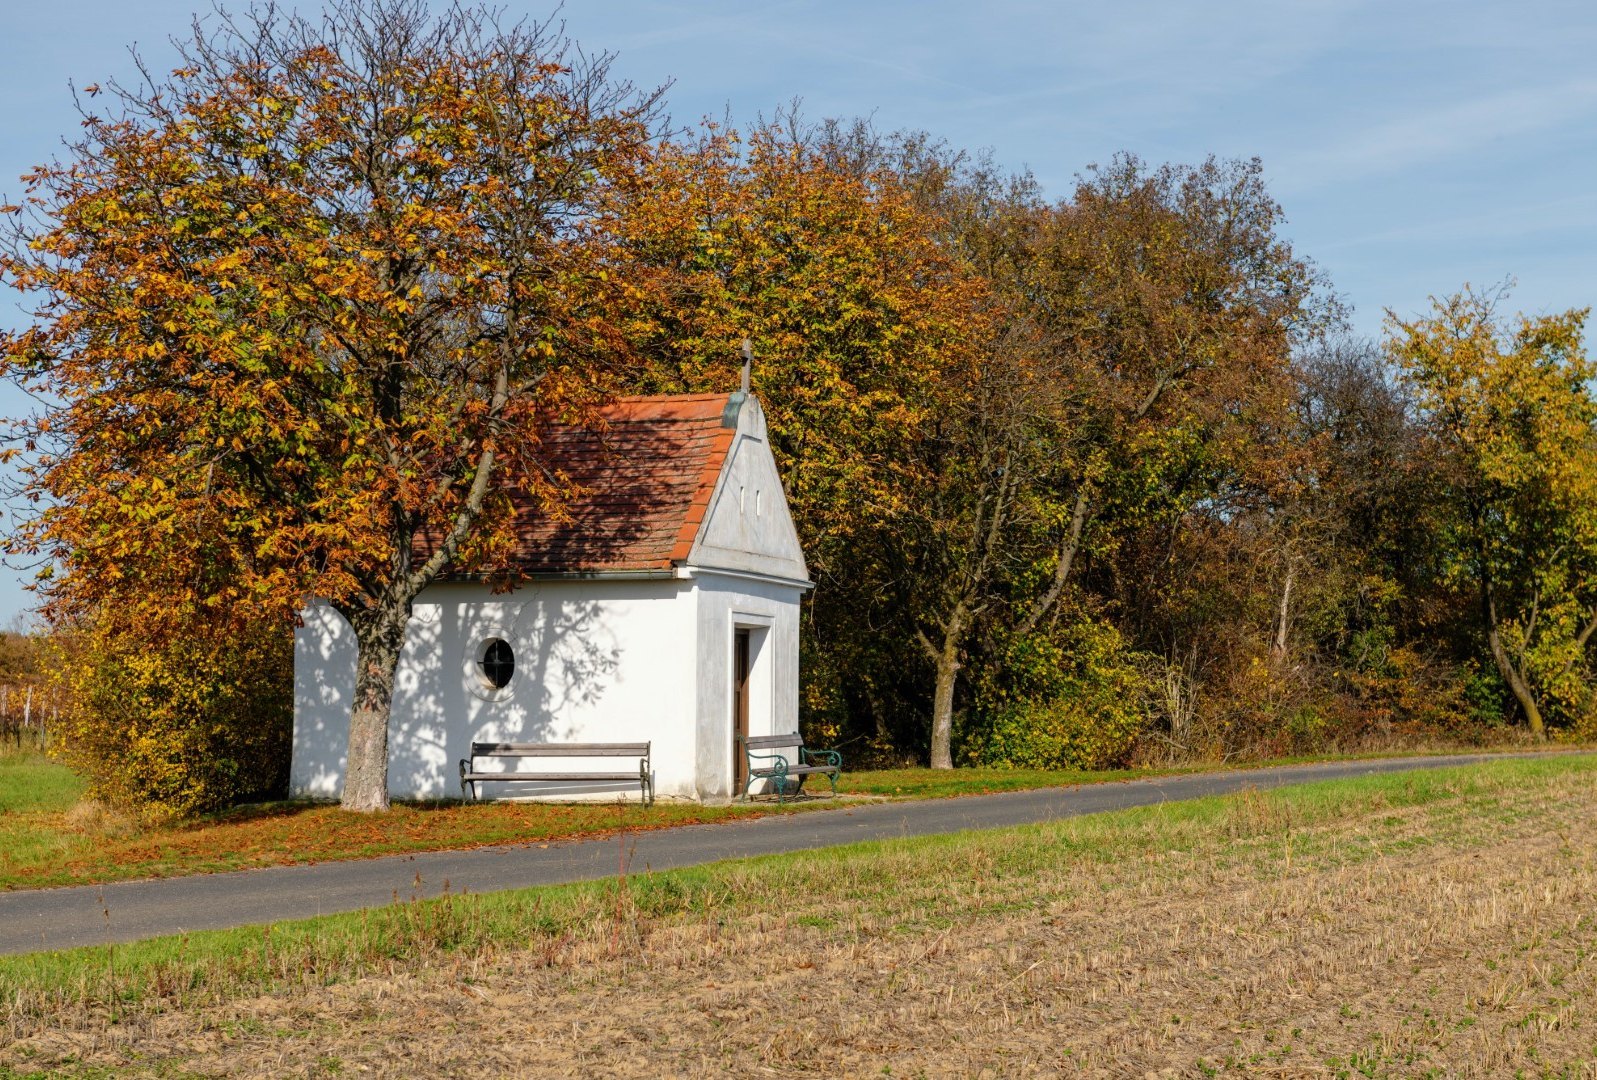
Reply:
x=496, y=663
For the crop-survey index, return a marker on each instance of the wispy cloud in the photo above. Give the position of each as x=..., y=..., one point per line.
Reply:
x=1499, y=222
x=1432, y=134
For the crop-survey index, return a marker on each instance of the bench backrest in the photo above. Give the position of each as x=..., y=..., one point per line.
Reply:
x=544, y=749
x=771, y=742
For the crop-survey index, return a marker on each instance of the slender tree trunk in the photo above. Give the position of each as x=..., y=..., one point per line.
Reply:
x=1067, y=559
x=946, y=659
x=943, y=711
x=1284, y=615
x=1521, y=689
x=1505, y=664
x=379, y=637
x=944, y=656
x=1071, y=545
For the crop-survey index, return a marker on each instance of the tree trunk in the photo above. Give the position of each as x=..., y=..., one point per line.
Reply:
x=943, y=709
x=379, y=637
x=1521, y=689
x=947, y=662
x=1505, y=664
x=946, y=659
x=1284, y=615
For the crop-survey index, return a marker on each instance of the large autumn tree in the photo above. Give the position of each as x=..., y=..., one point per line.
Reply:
x=826, y=264
x=1147, y=329
x=961, y=377
x=865, y=324
x=310, y=297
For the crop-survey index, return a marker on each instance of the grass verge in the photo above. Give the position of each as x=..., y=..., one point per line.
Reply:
x=50, y=837
x=913, y=879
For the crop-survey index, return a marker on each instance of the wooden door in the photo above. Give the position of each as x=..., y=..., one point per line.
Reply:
x=740, y=709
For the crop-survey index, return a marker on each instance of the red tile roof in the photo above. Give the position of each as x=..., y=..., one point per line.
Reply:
x=644, y=481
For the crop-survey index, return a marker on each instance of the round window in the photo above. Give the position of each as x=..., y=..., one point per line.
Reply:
x=497, y=663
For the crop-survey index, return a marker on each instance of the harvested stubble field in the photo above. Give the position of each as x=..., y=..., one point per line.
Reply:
x=1424, y=924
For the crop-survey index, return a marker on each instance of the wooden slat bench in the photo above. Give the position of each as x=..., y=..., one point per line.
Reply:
x=802, y=762
x=470, y=778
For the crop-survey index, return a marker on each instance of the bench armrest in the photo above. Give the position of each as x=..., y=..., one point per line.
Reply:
x=775, y=761
x=830, y=757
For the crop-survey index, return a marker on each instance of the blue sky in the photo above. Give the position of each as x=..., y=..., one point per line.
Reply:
x=1415, y=146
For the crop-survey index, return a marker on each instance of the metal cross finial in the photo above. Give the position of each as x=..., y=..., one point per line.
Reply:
x=748, y=362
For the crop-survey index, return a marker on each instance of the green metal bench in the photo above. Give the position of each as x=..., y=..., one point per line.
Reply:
x=799, y=763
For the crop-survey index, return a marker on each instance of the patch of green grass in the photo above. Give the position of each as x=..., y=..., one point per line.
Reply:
x=919, y=783
x=30, y=783
x=943, y=783
x=35, y=796
x=902, y=876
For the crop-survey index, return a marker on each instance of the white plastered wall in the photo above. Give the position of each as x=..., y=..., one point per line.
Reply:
x=770, y=610
x=751, y=574
x=596, y=661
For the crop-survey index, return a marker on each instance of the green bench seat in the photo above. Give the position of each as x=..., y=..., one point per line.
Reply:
x=783, y=757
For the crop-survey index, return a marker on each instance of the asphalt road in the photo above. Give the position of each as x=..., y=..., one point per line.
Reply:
x=38, y=919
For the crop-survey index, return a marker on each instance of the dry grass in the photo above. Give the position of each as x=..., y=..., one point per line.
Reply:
x=1443, y=928
x=88, y=843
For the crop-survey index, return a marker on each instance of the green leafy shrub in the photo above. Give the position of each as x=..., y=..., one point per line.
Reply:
x=1073, y=699
x=1091, y=733
x=175, y=720
x=1486, y=696
x=1307, y=727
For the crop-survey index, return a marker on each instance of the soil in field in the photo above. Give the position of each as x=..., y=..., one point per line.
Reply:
x=1452, y=939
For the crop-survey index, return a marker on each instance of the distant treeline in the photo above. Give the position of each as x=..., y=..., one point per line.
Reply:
x=1103, y=478
x=30, y=706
